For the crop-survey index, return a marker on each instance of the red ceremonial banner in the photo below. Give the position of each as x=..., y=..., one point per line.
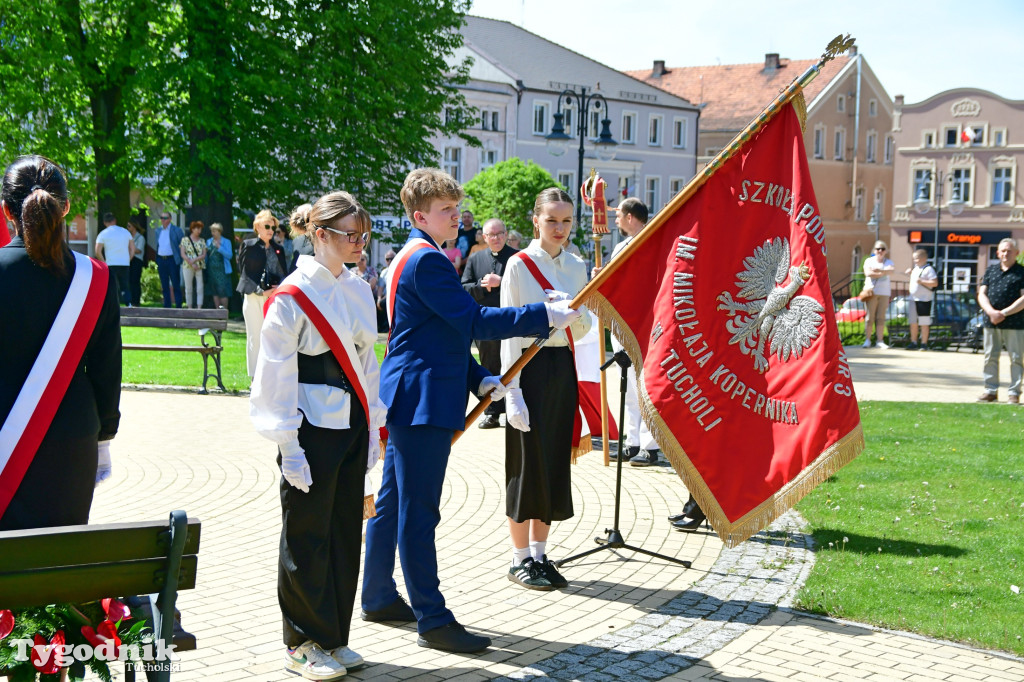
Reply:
x=727, y=312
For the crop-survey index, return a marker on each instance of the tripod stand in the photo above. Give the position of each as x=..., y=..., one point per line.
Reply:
x=614, y=539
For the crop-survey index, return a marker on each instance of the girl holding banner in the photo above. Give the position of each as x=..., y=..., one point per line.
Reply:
x=60, y=379
x=542, y=406
x=315, y=394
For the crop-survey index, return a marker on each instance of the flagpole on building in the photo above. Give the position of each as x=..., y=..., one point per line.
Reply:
x=838, y=45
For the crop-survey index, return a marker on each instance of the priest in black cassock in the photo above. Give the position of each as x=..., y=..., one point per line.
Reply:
x=482, y=279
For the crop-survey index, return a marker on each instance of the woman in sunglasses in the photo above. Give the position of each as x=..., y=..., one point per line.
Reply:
x=876, y=272
x=315, y=395
x=261, y=267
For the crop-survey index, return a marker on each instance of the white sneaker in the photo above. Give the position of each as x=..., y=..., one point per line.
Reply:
x=312, y=662
x=883, y=346
x=866, y=344
x=347, y=657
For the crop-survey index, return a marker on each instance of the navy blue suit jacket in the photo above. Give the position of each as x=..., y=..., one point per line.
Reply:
x=429, y=371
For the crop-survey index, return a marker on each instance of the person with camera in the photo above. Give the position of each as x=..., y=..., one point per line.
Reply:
x=261, y=267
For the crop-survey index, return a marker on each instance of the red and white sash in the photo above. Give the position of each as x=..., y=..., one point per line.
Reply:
x=327, y=322
x=531, y=265
x=395, y=273
x=48, y=380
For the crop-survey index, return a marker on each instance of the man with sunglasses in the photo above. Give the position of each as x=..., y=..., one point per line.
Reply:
x=168, y=260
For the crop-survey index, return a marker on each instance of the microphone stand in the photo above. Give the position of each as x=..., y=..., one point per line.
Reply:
x=613, y=538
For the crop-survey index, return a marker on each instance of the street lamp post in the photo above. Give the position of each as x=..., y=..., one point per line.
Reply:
x=873, y=221
x=558, y=140
x=923, y=202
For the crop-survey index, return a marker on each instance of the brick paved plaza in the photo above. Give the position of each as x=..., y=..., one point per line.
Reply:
x=624, y=617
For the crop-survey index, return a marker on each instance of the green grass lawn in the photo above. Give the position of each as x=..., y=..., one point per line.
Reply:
x=185, y=369
x=923, y=531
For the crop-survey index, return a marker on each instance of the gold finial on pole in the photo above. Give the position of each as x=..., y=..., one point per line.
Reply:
x=839, y=45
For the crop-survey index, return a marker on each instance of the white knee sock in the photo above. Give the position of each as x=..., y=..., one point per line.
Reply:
x=520, y=555
x=537, y=549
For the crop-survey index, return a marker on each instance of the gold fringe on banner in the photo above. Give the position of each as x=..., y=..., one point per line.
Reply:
x=731, y=533
x=586, y=445
x=369, y=508
x=800, y=105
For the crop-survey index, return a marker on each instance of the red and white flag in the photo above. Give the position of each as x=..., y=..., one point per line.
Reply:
x=726, y=310
x=967, y=135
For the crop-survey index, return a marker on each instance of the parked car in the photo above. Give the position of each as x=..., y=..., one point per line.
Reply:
x=950, y=312
x=852, y=310
x=975, y=337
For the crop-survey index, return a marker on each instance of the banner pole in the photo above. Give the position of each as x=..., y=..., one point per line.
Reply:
x=601, y=360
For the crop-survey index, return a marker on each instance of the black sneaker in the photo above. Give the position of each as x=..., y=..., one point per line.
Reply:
x=549, y=571
x=530, y=575
x=629, y=453
x=913, y=346
x=644, y=459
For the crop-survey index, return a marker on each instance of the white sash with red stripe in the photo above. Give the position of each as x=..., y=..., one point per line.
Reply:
x=37, y=402
x=335, y=333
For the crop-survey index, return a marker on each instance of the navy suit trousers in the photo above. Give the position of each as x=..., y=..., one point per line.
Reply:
x=408, y=511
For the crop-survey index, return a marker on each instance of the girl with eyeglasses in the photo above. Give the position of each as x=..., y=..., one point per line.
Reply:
x=876, y=277
x=316, y=367
x=261, y=267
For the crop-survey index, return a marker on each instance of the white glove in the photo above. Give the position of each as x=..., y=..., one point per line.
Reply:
x=493, y=386
x=554, y=295
x=560, y=315
x=103, y=466
x=294, y=466
x=373, y=452
x=516, y=413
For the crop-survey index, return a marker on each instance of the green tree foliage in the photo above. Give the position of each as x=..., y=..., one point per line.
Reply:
x=259, y=104
x=507, y=190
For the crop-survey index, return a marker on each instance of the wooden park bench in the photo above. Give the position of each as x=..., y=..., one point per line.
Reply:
x=207, y=321
x=78, y=564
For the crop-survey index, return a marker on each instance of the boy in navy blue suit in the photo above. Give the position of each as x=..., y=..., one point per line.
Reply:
x=424, y=381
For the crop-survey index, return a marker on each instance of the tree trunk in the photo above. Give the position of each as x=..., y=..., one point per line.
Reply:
x=113, y=190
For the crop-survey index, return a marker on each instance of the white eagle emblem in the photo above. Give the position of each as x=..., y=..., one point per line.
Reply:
x=770, y=312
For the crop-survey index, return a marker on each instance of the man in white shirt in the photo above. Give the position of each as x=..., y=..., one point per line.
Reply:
x=115, y=246
x=919, y=309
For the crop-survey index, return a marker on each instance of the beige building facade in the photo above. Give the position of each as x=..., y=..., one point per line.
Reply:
x=967, y=146
x=848, y=137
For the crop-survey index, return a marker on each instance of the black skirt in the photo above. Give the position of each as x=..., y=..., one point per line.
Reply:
x=537, y=480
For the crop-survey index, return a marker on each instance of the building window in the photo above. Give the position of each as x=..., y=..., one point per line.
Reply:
x=449, y=116
x=841, y=103
x=1002, y=185
x=625, y=189
x=540, y=117
x=872, y=107
x=629, y=127
x=973, y=134
x=999, y=137
x=922, y=183
x=485, y=120
x=568, y=180
x=652, y=197
x=453, y=162
x=858, y=205
x=494, y=120
x=962, y=182
x=839, y=144
x=568, y=120
x=951, y=137
x=488, y=157
x=594, y=125
x=679, y=130
x=654, y=134
x=871, y=147
x=890, y=145
x=928, y=139
x=675, y=186
x=878, y=208
x=819, y=142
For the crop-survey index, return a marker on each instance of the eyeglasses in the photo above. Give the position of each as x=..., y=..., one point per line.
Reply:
x=879, y=248
x=352, y=237
x=494, y=234
x=389, y=258
x=270, y=226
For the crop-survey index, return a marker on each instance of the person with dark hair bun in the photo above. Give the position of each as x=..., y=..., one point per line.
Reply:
x=60, y=381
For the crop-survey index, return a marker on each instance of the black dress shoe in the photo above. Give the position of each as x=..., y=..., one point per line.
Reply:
x=489, y=421
x=677, y=517
x=691, y=522
x=397, y=611
x=453, y=637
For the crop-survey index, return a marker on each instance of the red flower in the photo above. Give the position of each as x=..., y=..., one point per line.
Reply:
x=116, y=611
x=47, y=660
x=6, y=623
x=103, y=636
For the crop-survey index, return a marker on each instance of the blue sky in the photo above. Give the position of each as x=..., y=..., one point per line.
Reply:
x=917, y=49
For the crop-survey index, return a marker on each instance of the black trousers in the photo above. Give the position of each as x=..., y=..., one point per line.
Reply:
x=135, y=281
x=490, y=359
x=321, y=535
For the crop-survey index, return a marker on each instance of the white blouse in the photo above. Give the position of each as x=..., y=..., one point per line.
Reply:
x=566, y=273
x=277, y=400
